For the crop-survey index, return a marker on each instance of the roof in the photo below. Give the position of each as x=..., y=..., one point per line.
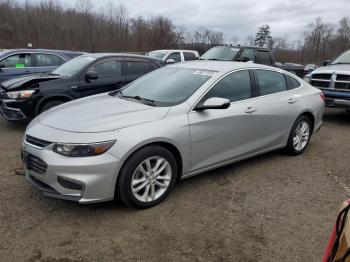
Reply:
x=220, y=66
x=173, y=50
x=251, y=47
x=41, y=50
x=101, y=55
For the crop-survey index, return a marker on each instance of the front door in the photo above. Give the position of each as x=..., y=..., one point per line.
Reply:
x=218, y=135
x=110, y=77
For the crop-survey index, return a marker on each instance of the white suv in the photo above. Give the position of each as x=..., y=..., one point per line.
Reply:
x=174, y=56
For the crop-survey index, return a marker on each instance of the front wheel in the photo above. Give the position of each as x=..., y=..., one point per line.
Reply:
x=147, y=177
x=299, y=136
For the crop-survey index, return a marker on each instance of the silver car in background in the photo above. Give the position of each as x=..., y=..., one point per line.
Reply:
x=171, y=124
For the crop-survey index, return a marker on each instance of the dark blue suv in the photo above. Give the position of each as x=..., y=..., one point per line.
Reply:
x=17, y=62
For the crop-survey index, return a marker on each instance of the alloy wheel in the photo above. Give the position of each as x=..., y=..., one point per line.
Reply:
x=301, y=135
x=151, y=179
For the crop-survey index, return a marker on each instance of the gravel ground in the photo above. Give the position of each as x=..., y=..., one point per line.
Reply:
x=270, y=208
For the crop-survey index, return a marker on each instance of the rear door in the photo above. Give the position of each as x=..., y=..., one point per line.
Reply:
x=111, y=76
x=46, y=62
x=263, y=57
x=276, y=108
x=16, y=65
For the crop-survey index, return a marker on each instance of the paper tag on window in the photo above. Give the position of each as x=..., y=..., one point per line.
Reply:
x=204, y=73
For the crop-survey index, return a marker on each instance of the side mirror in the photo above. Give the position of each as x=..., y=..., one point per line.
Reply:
x=214, y=103
x=91, y=75
x=326, y=62
x=170, y=61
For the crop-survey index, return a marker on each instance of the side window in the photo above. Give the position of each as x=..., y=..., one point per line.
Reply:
x=176, y=56
x=292, y=83
x=263, y=57
x=270, y=82
x=17, y=61
x=189, y=56
x=137, y=68
x=249, y=53
x=234, y=87
x=48, y=60
x=108, y=68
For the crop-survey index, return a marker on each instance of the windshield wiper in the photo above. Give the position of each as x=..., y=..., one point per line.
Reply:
x=143, y=100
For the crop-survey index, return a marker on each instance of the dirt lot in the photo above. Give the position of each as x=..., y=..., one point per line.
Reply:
x=270, y=208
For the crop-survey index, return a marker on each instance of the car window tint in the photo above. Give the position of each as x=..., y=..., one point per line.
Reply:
x=137, y=68
x=249, y=53
x=270, y=82
x=234, y=87
x=48, y=60
x=189, y=56
x=263, y=57
x=292, y=82
x=18, y=61
x=108, y=69
x=176, y=56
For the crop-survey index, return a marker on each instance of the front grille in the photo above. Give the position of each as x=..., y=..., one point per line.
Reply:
x=343, y=78
x=341, y=85
x=37, y=142
x=35, y=164
x=324, y=84
x=322, y=76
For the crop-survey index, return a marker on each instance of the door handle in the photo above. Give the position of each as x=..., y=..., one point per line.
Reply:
x=291, y=100
x=250, y=109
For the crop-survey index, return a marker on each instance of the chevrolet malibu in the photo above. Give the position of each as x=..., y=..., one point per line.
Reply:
x=173, y=123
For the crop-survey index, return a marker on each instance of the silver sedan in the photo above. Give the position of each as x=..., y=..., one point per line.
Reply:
x=173, y=123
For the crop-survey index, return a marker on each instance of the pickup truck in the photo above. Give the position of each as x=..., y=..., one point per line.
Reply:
x=249, y=54
x=334, y=80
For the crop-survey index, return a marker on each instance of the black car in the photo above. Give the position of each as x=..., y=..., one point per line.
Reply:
x=25, y=97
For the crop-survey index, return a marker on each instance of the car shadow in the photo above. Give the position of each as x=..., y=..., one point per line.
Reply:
x=336, y=116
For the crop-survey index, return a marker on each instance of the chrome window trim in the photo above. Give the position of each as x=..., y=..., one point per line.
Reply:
x=252, y=98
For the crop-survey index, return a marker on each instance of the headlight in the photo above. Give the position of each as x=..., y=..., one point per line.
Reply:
x=20, y=94
x=307, y=78
x=82, y=150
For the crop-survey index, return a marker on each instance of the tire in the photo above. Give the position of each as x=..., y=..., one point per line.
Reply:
x=50, y=104
x=141, y=197
x=293, y=147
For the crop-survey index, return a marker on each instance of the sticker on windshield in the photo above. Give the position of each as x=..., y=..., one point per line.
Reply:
x=205, y=73
x=19, y=65
x=234, y=49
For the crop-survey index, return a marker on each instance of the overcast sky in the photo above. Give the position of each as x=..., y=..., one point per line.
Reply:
x=237, y=17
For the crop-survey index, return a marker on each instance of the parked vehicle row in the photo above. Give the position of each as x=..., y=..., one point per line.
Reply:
x=334, y=80
x=25, y=97
x=250, y=54
x=17, y=62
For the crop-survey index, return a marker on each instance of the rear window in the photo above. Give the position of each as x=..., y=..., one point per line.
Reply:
x=263, y=57
x=189, y=56
x=270, y=82
x=292, y=83
x=137, y=68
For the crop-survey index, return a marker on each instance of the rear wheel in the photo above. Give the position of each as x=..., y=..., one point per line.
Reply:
x=50, y=104
x=299, y=136
x=147, y=177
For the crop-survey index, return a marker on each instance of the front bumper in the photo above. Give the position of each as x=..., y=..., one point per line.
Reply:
x=84, y=179
x=336, y=98
x=10, y=113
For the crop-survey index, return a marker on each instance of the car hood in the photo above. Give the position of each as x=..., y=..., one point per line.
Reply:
x=338, y=69
x=100, y=113
x=22, y=81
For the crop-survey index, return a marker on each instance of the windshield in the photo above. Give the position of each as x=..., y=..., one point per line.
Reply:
x=220, y=53
x=73, y=66
x=157, y=54
x=344, y=58
x=167, y=86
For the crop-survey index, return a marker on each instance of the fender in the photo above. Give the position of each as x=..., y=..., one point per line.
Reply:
x=49, y=97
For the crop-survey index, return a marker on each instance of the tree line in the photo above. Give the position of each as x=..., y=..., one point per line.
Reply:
x=47, y=24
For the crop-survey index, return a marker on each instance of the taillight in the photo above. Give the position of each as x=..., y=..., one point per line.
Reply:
x=322, y=96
